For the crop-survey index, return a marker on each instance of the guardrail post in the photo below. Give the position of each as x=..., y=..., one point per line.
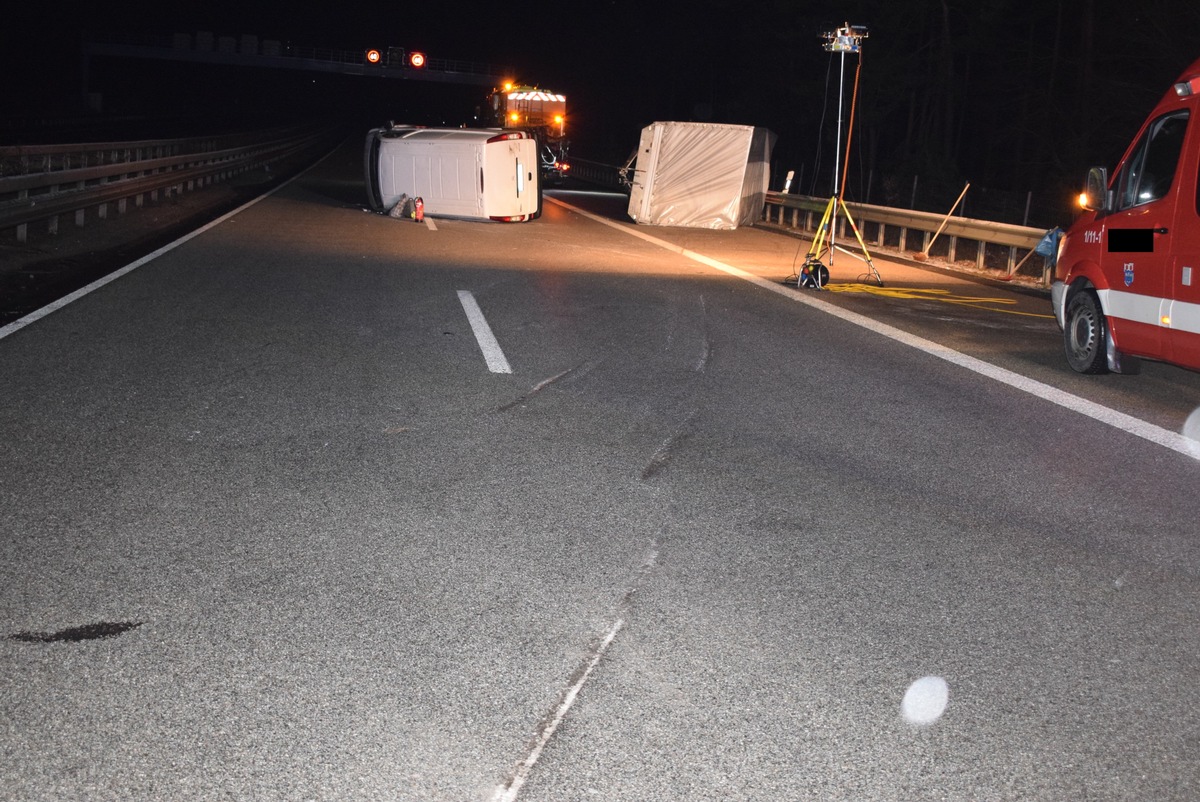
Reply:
x=23, y=229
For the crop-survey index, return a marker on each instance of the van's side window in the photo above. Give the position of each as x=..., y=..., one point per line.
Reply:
x=1148, y=174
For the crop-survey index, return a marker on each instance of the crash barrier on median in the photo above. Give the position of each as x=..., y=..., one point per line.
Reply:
x=1000, y=247
x=41, y=183
x=603, y=175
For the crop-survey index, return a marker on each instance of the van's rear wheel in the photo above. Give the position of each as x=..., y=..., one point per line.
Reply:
x=1085, y=333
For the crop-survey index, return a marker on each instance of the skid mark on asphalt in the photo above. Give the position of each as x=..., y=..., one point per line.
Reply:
x=508, y=790
x=103, y=629
x=575, y=372
x=663, y=455
x=702, y=361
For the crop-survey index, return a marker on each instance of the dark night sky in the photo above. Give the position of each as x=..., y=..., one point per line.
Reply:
x=1006, y=93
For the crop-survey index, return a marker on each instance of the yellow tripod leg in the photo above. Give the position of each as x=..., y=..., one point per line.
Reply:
x=819, y=241
x=863, y=245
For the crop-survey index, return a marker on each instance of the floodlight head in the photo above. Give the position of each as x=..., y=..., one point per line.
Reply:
x=846, y=39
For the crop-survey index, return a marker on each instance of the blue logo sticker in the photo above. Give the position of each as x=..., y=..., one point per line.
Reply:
x=1129, y=275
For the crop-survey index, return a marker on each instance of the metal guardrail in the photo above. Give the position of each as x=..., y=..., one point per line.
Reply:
x=1000, y=247
x=991, y=245
x=43, y=182
x=604, y=175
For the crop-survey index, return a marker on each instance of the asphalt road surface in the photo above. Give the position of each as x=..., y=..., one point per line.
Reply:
x=326, y=505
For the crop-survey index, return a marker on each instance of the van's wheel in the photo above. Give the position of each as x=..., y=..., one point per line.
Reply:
x=1085, y=334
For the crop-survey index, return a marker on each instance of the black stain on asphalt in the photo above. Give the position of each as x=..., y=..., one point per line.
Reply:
x=104, y=629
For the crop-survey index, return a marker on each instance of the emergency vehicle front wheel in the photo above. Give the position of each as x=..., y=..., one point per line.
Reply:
x=1085, y=333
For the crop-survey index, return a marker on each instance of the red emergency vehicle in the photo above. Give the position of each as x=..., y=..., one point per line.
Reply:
x=1127, y=281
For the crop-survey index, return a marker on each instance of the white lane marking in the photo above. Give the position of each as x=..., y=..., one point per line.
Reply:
x=509, y=791
x=35, y=316
x=483, y=334
x=1118, y=420
x=429, y=224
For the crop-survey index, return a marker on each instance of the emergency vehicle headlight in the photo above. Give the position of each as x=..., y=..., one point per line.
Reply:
x=1188, y=88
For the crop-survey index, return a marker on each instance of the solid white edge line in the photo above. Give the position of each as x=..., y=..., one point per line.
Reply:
x=1118, y=420
x=37, y=315
x=492, y=353
x=508, y=792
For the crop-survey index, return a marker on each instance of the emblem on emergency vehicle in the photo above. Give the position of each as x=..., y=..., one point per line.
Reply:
x=1129, y=275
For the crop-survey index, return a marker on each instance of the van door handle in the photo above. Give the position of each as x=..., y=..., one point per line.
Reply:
x=1159, y=230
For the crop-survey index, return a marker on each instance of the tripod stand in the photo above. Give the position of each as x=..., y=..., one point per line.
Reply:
x=814, y=274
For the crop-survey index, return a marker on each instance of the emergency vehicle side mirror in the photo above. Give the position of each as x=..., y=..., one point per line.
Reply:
x=1095, y=193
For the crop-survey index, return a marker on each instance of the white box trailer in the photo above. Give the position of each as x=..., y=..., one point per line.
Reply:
x=475, y=173
x=700, y=175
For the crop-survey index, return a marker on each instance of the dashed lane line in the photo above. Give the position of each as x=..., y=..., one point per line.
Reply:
x=492, y=353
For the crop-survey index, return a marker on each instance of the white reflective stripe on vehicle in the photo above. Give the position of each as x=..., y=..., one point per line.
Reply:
x=1151, y=310
x=1184, y=316
x=1131, y=306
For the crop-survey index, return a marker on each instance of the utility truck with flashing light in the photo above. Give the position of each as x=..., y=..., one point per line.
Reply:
x=1127, y=280
x=538, y=110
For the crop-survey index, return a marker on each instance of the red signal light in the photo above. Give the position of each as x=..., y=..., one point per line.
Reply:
x=416, y=60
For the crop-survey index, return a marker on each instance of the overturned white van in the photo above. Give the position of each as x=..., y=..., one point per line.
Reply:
x=475, y=173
